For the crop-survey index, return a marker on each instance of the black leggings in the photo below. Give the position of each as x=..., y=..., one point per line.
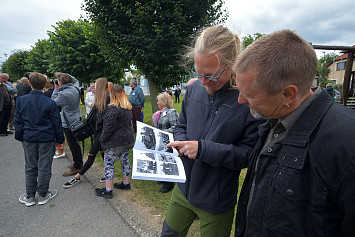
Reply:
x=95, y=148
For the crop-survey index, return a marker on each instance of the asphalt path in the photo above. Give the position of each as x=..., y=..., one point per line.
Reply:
x=75, y=211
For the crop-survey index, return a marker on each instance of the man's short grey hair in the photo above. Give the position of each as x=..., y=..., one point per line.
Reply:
x=4, y=74
x=134, y=82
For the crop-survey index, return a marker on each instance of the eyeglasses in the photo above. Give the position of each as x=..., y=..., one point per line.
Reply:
x=209, y=78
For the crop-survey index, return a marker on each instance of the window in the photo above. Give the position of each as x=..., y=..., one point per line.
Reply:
x=341, y=66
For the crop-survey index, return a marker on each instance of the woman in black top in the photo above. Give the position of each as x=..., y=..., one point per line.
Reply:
x=100, y=105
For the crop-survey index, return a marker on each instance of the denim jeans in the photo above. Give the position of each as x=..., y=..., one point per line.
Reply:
x=38, y=167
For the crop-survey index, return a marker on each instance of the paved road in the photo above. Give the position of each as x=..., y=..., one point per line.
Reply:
x=73, y=212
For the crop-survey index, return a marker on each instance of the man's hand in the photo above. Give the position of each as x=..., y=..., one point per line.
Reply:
x=187, y=148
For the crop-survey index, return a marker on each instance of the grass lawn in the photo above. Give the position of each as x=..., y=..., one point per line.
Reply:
x=148, y=191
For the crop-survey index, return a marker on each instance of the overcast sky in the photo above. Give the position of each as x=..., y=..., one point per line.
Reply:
x=23, y=22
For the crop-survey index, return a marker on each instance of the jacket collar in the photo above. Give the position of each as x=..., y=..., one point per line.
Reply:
x=301, y=131
x=36, y=92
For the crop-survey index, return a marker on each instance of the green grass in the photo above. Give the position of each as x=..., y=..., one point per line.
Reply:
x=148, y=191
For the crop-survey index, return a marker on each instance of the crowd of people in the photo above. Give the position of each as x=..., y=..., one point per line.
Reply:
x=250, y=109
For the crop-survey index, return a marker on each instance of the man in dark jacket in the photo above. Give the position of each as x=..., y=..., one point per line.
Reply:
x=5, y=104
x=214, y=136
x=300, y=179
x=137, y=99
x=177, y=93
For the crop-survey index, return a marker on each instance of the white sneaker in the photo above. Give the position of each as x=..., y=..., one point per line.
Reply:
x=59, y=156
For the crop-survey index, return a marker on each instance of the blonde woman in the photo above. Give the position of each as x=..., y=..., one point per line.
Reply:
x=23, y=88
x=116, y=139
x=100, y=106
x=165, y=119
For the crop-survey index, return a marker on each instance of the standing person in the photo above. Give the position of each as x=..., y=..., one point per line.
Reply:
x=100, y=104
x=177, y=93
x=116, y=139
x=67, y=96
x=13, y=93
x=300, y=179
x=23, y=88
x=137, y=99
x=214, y=137
x=5, y=105
x=38, y=132
x=49, y=87
x=90, y=99
x=165, y=119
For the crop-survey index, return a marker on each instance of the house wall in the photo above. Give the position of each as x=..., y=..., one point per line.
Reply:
x=338, y=76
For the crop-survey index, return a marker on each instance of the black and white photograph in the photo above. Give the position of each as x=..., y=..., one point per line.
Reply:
x=152, y=159
x=163, y=141
x=146, y=166
x=166, y=158
x=148, y=138
x=150, y=155
x=168, y=169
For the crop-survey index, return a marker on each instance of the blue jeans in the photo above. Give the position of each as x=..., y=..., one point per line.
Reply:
x=38, y=168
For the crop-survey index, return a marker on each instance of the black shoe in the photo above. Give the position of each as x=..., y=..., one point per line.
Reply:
x=101, y=192
x=122, y=186
x=165, y=190
x=9, y=132
x=3, y=134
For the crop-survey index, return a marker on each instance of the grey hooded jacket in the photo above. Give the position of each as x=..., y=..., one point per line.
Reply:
x=68, y=97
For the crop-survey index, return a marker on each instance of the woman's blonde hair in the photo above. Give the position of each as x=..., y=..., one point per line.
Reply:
x=221, y=42
x=101, y=94
x=166, y=99
x=119, y=97
x=24, y=81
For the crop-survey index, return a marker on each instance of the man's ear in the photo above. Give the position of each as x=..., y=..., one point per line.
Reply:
x=290, y=93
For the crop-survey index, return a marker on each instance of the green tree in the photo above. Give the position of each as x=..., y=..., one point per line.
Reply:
x=152, y=34
x=322, y=70
x=38, y=59
x=15, y=65
x=247, y=40
x=72, y=48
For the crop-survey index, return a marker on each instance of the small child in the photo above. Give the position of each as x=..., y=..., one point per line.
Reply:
x=38, y=126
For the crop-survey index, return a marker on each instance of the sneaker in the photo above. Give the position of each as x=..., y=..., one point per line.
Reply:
x=103, y=180
x=122, y=186
x=50, y=194
x=71, y=172
x=28, y=201
x=59, y=156
x=101, y=192
x=71, y=182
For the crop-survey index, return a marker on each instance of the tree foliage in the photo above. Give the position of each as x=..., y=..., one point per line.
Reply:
x=248, y=39
x=72, y=48
x=15, y=65
x=152, y=33
x=38, y=58
x=322, y=70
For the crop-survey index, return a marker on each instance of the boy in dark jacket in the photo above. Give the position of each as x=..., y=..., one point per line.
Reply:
x=39, y=132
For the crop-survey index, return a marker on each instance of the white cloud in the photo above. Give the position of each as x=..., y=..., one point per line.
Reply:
x=326, y=22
